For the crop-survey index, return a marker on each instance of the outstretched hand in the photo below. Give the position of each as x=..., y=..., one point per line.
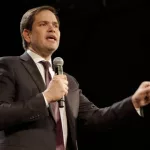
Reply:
x=142, y=95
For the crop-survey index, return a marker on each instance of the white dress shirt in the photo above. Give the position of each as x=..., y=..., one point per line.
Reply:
x=37, y=58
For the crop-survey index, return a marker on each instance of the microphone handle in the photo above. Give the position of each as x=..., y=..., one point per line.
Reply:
x=142, y=111
x=59, y=70
x=61, y=102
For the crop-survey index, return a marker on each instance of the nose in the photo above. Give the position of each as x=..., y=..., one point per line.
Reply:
x=51, y=28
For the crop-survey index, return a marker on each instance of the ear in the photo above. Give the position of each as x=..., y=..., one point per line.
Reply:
x=26, y=35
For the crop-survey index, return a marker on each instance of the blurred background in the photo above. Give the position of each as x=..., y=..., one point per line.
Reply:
x=105, y=46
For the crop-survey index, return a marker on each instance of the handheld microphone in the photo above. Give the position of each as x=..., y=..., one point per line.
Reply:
x=142, y=111
x=58, y=67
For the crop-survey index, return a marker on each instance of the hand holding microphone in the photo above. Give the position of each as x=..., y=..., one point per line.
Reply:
x=58, y=87
x=58, y=68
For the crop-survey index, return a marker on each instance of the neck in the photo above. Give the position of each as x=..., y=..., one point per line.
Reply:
x=45, y=56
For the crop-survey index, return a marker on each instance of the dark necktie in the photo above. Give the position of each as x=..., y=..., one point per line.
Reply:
x=55, y=109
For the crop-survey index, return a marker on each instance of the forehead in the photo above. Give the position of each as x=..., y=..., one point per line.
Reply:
x=45, y=15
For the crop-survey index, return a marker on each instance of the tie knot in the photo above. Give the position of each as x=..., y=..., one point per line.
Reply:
x=46, y=64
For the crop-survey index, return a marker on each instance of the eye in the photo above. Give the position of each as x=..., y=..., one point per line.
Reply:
x=42, y=24
x=56, y=25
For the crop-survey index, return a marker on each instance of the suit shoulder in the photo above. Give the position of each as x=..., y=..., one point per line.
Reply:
x=9, y=59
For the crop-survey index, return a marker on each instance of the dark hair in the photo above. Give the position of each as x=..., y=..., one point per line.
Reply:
x=28, y=19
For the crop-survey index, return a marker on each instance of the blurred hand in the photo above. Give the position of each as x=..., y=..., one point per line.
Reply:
x=142, y=95
x=57, y=88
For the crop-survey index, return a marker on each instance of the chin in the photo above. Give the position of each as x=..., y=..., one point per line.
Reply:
x=52, y=49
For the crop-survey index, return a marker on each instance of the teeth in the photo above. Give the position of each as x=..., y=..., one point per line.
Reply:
x=51, y=38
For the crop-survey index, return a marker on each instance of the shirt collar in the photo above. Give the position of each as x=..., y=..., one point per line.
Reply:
x=36, y=58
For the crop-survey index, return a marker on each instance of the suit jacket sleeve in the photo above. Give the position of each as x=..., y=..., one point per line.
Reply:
x=11, y=111
x=96, y=118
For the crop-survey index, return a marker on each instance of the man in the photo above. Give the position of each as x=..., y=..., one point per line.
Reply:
x=27, y=100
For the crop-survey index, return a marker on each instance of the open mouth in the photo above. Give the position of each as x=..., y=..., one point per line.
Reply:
x=51, y=37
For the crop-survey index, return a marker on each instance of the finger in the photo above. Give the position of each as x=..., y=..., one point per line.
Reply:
x=145, y=84
x=66, y=92
x=142, y=103
x=65, y=82
x=55, y=77
x=148, y=94
x=145, y=90
x=64, y=76
x=66, y=87
x=147, y=98
x=58, y=77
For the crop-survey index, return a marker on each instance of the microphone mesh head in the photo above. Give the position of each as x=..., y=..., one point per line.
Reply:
x=58, y=61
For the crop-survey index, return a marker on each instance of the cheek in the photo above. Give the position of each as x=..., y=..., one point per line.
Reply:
x=33, y=39
x=38, y=37
x=59, y=36
x=37, y=34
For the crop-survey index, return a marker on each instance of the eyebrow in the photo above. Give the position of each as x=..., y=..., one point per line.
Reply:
x=55, y=22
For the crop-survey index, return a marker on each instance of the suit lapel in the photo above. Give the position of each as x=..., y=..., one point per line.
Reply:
x=33, y=71
x=31, y=67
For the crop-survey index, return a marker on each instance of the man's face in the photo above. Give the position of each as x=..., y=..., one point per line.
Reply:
x=45, y=34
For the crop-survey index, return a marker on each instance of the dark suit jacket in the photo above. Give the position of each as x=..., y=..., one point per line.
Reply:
x=26, y=123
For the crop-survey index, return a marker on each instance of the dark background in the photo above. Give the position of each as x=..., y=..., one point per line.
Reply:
x=105, y=46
